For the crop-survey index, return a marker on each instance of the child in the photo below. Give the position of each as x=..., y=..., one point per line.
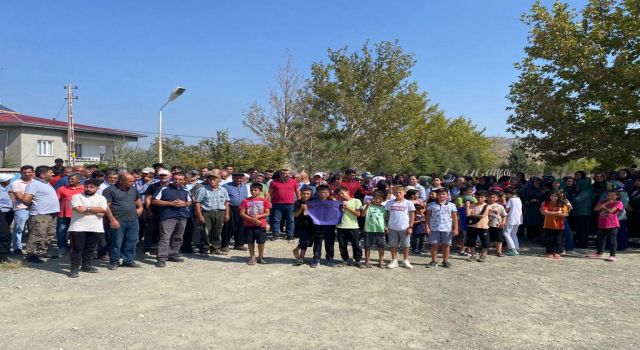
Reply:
x=254, y=210
x=326, y=214
x=497, y=221
x=374, y=231
x=477, y=227
x=554, y=211
x=514, y=220
x=608, y=225
x=303, y=225
x=466, y=196
x=418, y=236
x=442, y=226
x=400, y=225
x=348, y=230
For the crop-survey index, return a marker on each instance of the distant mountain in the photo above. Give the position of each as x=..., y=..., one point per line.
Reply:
x=500, y=146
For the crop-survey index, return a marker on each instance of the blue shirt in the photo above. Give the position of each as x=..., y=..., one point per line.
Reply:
x=6, y=204
x=236, y=193
x=211, y=199
x=441, y=216
x=45, y=200
x=170, y=194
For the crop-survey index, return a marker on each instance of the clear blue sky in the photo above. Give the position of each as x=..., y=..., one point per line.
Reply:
x=126, y=56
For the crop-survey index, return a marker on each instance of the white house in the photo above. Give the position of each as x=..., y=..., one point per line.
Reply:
x=38, y=141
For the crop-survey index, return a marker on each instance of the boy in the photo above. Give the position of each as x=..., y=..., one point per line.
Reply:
x=418, y=236
x=303, y=225
x=326, y=214
x=348, y=230
x=514, y=220
x=374, y=231
x=400, y=226
x=442, y=226
x=497, y=221
x=254, y=210
x=466, y=195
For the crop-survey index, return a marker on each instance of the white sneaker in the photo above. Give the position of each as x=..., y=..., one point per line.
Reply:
x=393, y=264
x=406, y=264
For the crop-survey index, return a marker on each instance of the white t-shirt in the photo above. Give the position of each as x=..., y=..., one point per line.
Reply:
x=89, y=222
x=399, y=214
x=515, y=211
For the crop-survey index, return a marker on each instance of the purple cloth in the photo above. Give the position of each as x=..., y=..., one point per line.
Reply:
x=327, y=212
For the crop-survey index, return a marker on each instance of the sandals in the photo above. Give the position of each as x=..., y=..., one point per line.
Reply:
x=368, y=265
x=251, y=261
x=382, y=266
x=500, y=255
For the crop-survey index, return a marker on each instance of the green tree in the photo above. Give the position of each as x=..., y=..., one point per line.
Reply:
x=578, y=92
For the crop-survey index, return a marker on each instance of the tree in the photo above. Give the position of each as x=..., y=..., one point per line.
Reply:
x=367, y=106
x=279, y=125
x=578, y=92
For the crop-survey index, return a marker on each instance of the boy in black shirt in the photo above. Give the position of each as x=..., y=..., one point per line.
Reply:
x=303, y=225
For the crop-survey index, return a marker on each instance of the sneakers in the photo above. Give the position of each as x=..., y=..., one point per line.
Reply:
x=446, y=264
x=6, y=260
x=176, y=258
x=349, y=262
x=161, y=263
x=611, y=259
x=511, y=252
x=18, y=252
x=407, y=264
x=572, y=253
x=463, y=254
x=331, y=263
x=314, y=263
x=261, y=261
x=482, y=258
x=517, y=252
x=89, y=269
x=74, y=273
x=298, y=262
x=471, y=258
x=113, y=266
x=393, y=264
x=35, y=259
x=432, y=264
x=132, y=264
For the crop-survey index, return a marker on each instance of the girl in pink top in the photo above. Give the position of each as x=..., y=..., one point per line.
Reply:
x=608, y=225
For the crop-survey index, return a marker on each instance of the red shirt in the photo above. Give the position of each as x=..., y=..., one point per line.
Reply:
x=54, y=179
x=353, y=186
x=64, y=195
x=283, y=192
x=255, y=206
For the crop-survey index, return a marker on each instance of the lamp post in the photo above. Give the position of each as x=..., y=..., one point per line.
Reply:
x=174, y=94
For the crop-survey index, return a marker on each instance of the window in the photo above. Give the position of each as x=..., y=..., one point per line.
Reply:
x=78, y=150
x=45, y=148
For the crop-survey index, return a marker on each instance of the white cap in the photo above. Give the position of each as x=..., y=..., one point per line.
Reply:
x=163, y=172
x=6, y=177
x=321, y=174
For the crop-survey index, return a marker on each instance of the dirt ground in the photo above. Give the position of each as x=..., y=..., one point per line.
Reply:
x=525, y=302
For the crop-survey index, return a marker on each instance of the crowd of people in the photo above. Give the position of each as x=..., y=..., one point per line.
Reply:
x=107, y=215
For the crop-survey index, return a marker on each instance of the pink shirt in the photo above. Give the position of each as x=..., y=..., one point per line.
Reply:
x=606, y=220
x=283, y=192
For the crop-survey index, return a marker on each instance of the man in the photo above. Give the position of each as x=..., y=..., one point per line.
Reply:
x=233, y=227
x=110, y=178
x=173, y=202
x=203, y=174
x=157, y=167
x=20, y=210
x=268, y=174
x=86, y=227
x=124, y=208
x=316, y=180
x=146, y=179
x=64, y=194
x=191, y=185
x=6, y=205
x=78, y=169
x=284, y=192
x=59, y=165
x=43, y=205
x=212, y=211
x=350, y=183
x=153, y=225
x=227, y=174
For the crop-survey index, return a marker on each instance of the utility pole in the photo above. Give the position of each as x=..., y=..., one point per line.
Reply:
x=71, y=141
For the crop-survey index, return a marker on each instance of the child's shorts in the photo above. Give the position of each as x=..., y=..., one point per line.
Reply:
x=496, y=234
x=306, y=240
x=474, y=233
x=441, y=237
x=399, y=238
x=255, y=235
x=374, y=240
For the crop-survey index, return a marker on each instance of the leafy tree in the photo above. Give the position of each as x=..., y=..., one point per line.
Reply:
x=578, y=92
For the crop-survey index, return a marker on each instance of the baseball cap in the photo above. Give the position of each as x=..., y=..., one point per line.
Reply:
x=6, y=177
x=163, y=172
x=148, y=170
x=212, y=174
x=321, y=174
x=193, y=172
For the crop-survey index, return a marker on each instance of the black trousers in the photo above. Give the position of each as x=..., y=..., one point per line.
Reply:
x=582, y=225
x=5, y=236
x=553, y=241
x=188, y=237
x=233, y=229
x=151, y=232
x=103, y=247
x=326, y=233
x=346, y=236
x=610, y=234
x=83, y=246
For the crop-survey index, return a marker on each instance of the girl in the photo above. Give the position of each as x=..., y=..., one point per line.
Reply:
x=419, y=233
x=608, y=224
x=554, y=212
x=413, y=196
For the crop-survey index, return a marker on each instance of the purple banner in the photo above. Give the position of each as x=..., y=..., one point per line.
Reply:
x=327, y=212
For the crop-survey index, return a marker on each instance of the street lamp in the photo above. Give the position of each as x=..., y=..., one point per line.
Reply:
x=175, y=94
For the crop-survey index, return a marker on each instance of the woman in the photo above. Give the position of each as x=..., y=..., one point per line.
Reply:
x=521, y=178
x=633, y=209
x=532, y=198
x=582, y=211
x=413, y=181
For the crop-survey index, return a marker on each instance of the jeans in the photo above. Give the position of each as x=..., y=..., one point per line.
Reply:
x=122, y=241
x=280, y=210
x=20, y=218
x=568, y=235
x=61, y=233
